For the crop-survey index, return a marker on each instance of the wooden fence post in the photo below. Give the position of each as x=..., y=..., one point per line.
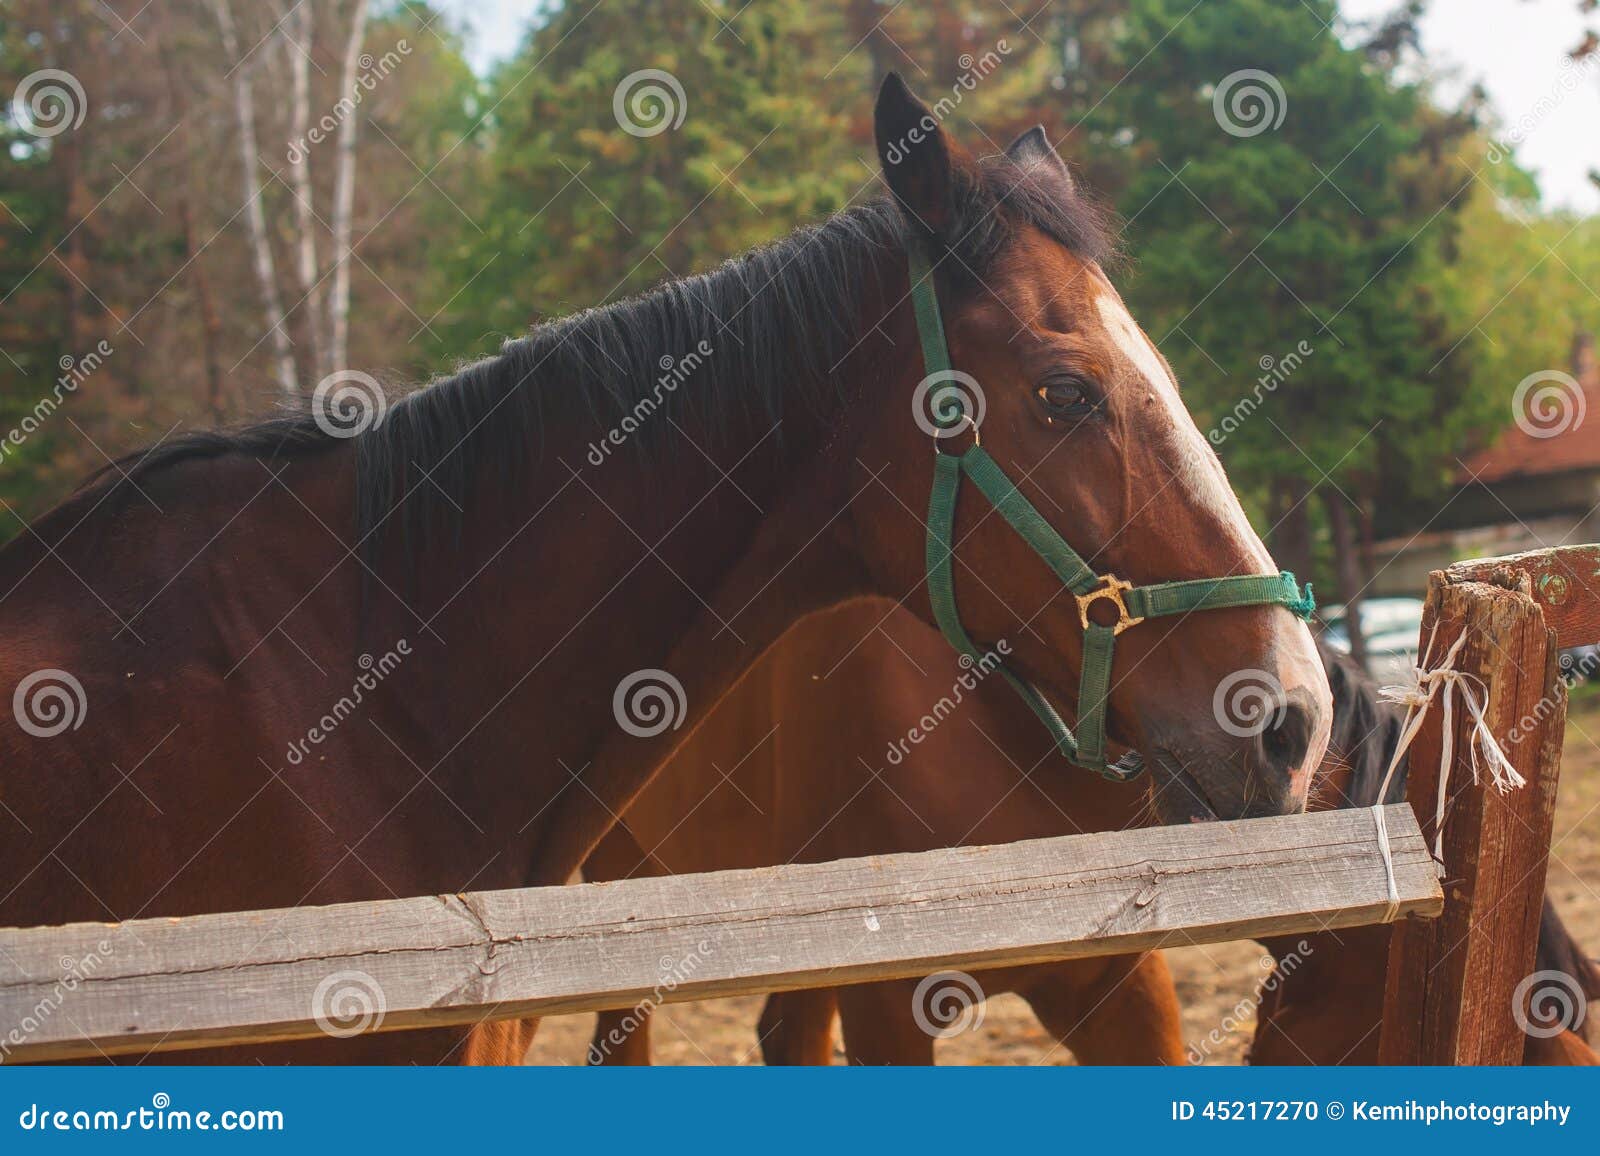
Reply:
x=1452, y=980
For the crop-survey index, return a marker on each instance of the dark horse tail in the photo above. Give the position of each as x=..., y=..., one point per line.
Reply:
x=1558, y=951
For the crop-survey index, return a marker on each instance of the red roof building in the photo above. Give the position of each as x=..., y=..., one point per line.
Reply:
x=1537, y=486
x=1558, y=426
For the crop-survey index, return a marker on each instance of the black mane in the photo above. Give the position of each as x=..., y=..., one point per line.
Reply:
x=1366, y=730
x=781, y=320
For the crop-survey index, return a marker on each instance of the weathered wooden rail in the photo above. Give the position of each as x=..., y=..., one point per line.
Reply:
x=268, y=975
x=158, y=984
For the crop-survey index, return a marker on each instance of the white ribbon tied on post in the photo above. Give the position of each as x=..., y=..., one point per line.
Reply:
x=1441, y=683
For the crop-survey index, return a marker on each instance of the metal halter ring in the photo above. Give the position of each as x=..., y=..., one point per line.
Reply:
x=1111, y=589
x=954, y=430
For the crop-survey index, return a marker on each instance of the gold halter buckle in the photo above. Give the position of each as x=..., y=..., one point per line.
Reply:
x=1111, y=589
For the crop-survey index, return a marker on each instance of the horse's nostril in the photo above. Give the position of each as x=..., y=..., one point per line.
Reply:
x=1287, y=739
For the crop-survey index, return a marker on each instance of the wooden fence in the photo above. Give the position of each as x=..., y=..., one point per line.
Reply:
x=1452, y=981
x=455, y=959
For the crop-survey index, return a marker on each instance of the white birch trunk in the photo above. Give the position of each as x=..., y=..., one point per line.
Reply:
x=301, y=30
x=344, y=191
x=256, y=218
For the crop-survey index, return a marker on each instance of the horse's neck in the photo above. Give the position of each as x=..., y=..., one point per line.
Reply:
x=689, y=561
x=696, y=555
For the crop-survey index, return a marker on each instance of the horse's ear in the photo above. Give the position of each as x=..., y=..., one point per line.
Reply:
x=1032, y=151
x=915, y=156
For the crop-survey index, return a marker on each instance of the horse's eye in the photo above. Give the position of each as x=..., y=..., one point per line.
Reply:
x=1065, y=398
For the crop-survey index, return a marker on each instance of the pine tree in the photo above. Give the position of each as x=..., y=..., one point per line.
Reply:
x=1284, y=193
x=634, y=142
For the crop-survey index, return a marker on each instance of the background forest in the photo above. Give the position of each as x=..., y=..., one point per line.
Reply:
x=237, y=199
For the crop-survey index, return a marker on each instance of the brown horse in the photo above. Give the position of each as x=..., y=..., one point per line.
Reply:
x=860, y=733
x=1324, y=1004
x=820, y=754
x=372, y=651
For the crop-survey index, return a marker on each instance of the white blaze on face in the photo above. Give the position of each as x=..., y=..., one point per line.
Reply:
x=1199, y=470
x=1202, y=480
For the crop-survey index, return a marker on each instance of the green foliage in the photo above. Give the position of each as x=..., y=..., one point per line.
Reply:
x=425, y=172
x=128, y=227
x=580, y=210
x=1521, y=279
x=1258, y=245
x=1368, y=227
x=34, y=330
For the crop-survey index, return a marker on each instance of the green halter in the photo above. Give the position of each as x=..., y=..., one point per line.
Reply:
x=1133, y=604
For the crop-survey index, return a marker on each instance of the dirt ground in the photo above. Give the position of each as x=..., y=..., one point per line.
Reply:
x=1212, y=980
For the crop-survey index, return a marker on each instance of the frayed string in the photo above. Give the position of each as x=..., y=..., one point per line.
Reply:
x=1441, y=682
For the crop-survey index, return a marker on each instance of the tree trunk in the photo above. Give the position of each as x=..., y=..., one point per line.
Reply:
x=1291, y=526
x=867, y=19
x=210, y=323
x=261, y=247
x=75, y=150
x=1347, y=570
x=344, y=192
x=73, y=257
x=1368, y=549
x=300, y=30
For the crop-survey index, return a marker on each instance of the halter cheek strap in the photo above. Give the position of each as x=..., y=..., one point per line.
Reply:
x=1133, y=604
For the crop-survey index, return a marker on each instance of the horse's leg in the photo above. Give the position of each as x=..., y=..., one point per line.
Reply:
x=621, y=1039
x=796, y=1027
x=502, y=1043
x=1121, y=1009
x=879, y=1024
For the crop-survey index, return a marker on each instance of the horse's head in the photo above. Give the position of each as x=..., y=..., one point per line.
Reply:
x=1229, y=706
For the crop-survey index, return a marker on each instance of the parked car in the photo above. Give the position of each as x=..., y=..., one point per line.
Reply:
x=1580, y=663
x=1379, y=616
x=1390, y=627
x=1392, y=658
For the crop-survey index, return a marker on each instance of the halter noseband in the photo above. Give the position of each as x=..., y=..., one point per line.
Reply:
x=1133, y=604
